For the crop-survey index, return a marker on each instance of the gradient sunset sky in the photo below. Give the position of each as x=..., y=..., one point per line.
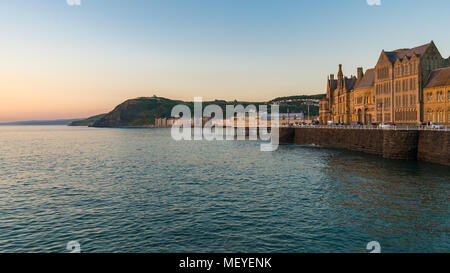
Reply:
x=62, y=61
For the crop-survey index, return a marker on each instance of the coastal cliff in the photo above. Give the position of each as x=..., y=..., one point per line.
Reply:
x=139, y=112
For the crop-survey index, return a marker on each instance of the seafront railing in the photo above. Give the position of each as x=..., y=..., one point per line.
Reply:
x=369, y=127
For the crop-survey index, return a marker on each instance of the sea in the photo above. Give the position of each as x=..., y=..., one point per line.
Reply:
x=140, y=191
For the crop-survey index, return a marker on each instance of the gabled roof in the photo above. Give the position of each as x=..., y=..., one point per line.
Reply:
x=407, y=52
x=368, y=79
x=349, y=83
x=439, y=77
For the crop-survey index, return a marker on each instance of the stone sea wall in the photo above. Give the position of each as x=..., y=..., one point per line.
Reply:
x=431, y=146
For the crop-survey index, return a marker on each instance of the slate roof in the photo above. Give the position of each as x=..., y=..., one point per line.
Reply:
x=439, y=77
x=409, y=52
x=368, y=79
x=350, y=82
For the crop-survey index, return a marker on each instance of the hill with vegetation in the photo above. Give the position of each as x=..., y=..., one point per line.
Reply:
x=299, y=98
x=138, y=112
x=143, y=111
x=308, y=104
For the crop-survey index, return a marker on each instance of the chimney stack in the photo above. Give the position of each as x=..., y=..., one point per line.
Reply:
x=360, y=73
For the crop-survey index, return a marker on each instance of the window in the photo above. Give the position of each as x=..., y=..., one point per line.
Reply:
x=440, y=96
x=379, y=117
x=413, y=99
x=383, y=73
x=387, y=103
x=359, y=100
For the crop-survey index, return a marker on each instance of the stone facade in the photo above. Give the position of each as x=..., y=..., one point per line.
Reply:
x=392, y=92
x=436, y=97
x=363, y=103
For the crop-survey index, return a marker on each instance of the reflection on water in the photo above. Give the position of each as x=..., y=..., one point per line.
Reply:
x=117, y=190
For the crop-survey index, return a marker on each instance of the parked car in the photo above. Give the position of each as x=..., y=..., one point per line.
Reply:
x=331, y=122
x=433, y=125
x=385, y=125
x=357, y=123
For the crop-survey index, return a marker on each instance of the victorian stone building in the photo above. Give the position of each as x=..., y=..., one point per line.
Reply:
x=436, y=97
x=393, y=91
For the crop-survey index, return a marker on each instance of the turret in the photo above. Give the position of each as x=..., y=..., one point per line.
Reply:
x=340, y=78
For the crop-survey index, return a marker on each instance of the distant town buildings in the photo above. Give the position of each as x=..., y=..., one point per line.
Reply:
x=407, y=86
x=283, y=119
x=164, y=122
x=314, y=102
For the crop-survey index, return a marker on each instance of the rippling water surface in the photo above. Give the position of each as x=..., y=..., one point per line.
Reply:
x=124, y=190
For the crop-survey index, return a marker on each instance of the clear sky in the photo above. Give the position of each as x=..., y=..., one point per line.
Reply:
x=62, y=61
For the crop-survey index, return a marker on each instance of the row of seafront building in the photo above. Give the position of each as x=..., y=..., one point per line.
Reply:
x=283, y=119
x=406, y=86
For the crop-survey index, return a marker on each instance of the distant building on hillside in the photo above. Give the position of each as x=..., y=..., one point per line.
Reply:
x=164, y=122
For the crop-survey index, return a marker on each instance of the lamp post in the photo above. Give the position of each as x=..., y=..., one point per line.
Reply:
x=289, y=117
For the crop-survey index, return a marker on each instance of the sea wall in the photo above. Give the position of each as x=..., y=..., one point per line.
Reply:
x=434, y=146
x=431, y=146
